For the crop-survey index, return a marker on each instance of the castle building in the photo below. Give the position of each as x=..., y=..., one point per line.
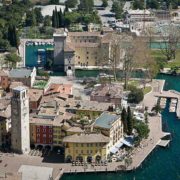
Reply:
x=79, y=49
x=20, y=138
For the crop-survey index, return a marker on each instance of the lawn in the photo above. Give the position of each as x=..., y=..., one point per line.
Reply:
x=161, y=59
x=147, y=89
x=40, y=84
x=135, y=83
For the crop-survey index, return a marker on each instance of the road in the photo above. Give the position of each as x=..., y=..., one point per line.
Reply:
x=105, y=14
x=127, y=5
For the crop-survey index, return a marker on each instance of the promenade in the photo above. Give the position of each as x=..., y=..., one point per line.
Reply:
x=11, y=163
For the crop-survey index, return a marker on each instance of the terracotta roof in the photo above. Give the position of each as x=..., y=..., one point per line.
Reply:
x=106, y=38
x=59, y=88
x=87, y=44
x=110, y=90
x=40, y=121
x=4, y=103
x=86, y=138
x=6, y=113
x=35, y=94
x=75, y=129
x=84, y=33
x=93, y=105
x=15, y=84
x=3, y=73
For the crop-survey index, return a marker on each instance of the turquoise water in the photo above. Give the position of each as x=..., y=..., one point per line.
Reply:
x=163, y=163
x=31, y=54
x=94, y=73
x=156, y=45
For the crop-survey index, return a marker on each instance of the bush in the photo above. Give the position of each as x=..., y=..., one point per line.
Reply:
x=136, y=95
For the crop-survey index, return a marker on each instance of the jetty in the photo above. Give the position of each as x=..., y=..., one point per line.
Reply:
x=163, y=143
x=171, y=94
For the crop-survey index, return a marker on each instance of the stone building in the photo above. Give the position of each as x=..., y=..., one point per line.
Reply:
x=26, y=76
x=85, y=147
x=79, y=49
x=4, y=79
x=20, y=137
x=108, y=93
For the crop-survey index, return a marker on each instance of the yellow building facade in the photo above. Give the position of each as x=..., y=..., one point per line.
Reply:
x=57, y=135
x=85, y=147
x=111, y=126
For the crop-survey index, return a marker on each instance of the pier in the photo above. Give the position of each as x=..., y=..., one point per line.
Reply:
x=163, y=143
x=171, y=94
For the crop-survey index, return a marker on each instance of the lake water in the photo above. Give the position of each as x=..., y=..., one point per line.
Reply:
x=162, y=163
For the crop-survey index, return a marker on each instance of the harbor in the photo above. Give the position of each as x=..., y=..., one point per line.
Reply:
x=138, y=154
x=160, y=161
x=174, y=96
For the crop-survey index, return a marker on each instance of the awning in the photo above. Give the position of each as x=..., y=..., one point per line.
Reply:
x=113, y=149
x=119, y=144
x=127, y=143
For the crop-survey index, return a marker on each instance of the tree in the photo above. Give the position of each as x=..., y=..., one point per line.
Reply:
x=124, y=119
x=54, y=2
x=136, y=95
x=112, y=59
x=4, y=44
x=47, y=21
x=128, y=162
x=66, y=9
x=71, y=3
x=38, y=15
x=144, y=58
x=12, y=59
x=129, y=60
x=61, y=18
x=152, y=4
x=142, y=130
x=138, y=4
x=86, y=5
x=13, y=37
x=117, y=8
x=104, y=3
x=30, y=18
x=71, y=18
x=170, y=37
x=156, y=108
x=55, y=18
x=129, y=121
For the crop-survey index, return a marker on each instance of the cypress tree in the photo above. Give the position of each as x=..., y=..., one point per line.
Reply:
x=129, y=121
x=66, y=9
x=124, y=119
x=61, y=19
x=55, y=18
x=12, y=36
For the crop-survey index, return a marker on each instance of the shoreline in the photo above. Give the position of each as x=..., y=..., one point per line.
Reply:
x=139, y=154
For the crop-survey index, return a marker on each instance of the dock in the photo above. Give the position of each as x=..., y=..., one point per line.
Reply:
x=163, y=143
x=171, y=94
